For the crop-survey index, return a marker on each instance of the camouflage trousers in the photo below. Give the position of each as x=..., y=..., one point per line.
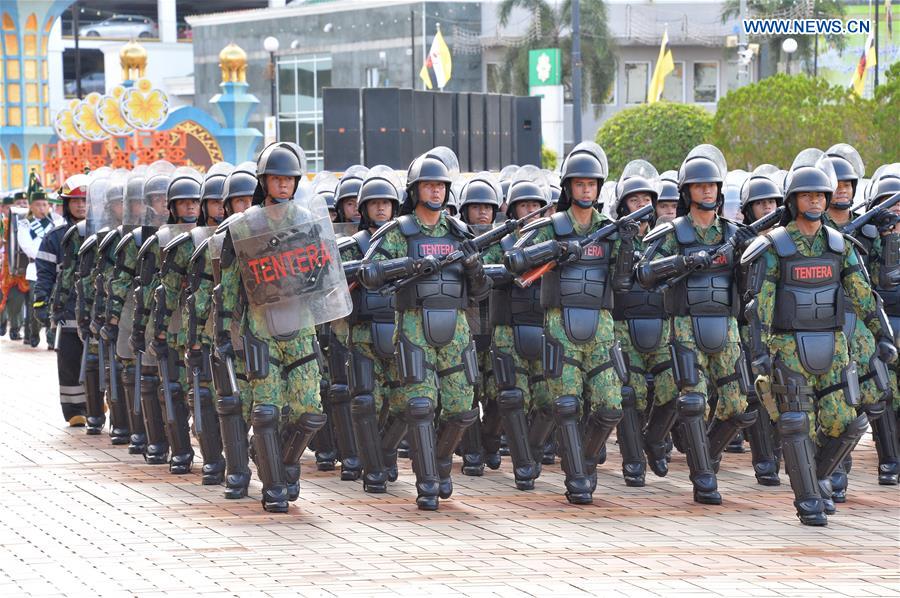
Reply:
x=387, y=387
x=587, y=370
x=641, y=364
x=529, y=373
x=861, y=349
x=717, y=370
x=833, y=413
x=292, y=382
x=445, y=381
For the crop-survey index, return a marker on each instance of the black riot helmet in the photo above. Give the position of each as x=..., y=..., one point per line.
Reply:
x=212, y=188
x=483, y=188
x=281, y=158
x=184, y=184
x=887, y=184
x=848, y=166
x=811, y=171
x=380, y=182
x=761, y=184
x=638, y=176
x=587, y=160
x=240, y=182
x=348, y=188
x=528, y=184
x=438, y=165
x=668, y=187
x=703, y=164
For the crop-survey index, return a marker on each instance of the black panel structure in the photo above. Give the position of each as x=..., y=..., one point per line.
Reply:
x=461, y=128
x=492, y=131
x=476, y=132
x=423, y=122
x=341, y=123
x=527, y=133
x=444, y=134
x=381, y=127
x=405, y=106
x=506, y=129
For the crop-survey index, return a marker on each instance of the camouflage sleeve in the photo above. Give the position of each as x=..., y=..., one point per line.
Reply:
x=765, y=299
x=172, y=283
x=229, y=287
x=493, y=255
x=539, y=235
x=65, y=280
x=143, y=296
x=390, y=246
x=203, y=294
x=859, y=292
x=874, y=260
x=351, y=253
x=122, y=277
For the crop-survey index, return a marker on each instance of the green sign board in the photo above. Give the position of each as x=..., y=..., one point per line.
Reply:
x=544, y=67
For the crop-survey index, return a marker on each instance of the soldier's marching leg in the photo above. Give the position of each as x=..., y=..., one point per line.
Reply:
x=119, y=432
x=209, y=437
x=395, y=433
x=492, y=431
x=270, y=466
x=661, y=421
x=296, y=437
x=691, y=408
x=539, y=431
x=761, y=437
x=578, y=483
x=233, y=429
x=175, y=411
x=71, y=391
x=628, y=432
x=339, y=416
x=131, y=382
x=157, y=449
x=325, y=446
x=451, y=432
x=472, y=449
x=420, y=417
x=511, y=403
x=884, y=431
x=732, y=381
x=364, y=414
x=96, y=415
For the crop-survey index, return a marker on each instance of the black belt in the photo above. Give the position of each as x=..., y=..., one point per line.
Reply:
x=285, y=372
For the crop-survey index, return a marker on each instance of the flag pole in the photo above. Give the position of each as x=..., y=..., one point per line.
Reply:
x=438, y=25
x=424, y=41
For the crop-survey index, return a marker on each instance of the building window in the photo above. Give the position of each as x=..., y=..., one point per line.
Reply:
x=373, y=77
x=300, y=83
x=706, y=82
x=673, y=86
x=637, y=82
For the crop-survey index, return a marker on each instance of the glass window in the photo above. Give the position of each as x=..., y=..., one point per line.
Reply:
x=287, y=130
x=301, y=81
x=673, y=86
x=287, y=89
x=706, y=82
x=637, y=82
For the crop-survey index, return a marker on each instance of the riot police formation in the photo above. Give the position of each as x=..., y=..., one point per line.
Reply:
x=353, y=312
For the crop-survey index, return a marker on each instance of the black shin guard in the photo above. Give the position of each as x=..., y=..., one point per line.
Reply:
x=600, y=425
x=761, y=436
x=96, y=416
x=884, y=430
x=472, y=450
x=348, y=451
x=452, y=431
x=492, y=434
x=267, y=448
x=119, y=432
x=157, y=450
x=395, y=432
x=628, y=433
x=799, y=462
x=578, y=483
x=691, y=414
x=420, y=415
x=297, y=437
x=661, y=420
x=511, y=404
x=235, y=444
x=209, y=437
x=722, y=431
x=178, y=430
x=368, y=440
x=325, y=445
x=832, y=452
x=542, y=424
x=138, y=438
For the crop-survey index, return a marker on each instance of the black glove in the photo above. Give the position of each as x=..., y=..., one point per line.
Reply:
x=628, y=230
x=136, y=340
x=109, y=332
x=41, y=311
x=194, y=359
x=160, y=348
x=698, y=261
x=570, y=251
x=762, y=365
x=427, y=265
x=887, y=351
x=743, y=237
x=224, y=348
x=472, y=260
x=886, y=221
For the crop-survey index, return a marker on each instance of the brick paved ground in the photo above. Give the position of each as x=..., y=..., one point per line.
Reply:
x=78, y=516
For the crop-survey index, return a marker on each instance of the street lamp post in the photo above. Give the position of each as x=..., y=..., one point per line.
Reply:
x=271, y=46
x=789, y=46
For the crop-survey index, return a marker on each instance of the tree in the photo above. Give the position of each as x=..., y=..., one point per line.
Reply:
x=887, y=115
x=790, y=9
x=549, y=158
x=773, y=120
x=551, y=28
x=661, y=133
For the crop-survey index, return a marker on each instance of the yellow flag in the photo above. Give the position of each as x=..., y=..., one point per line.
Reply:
x=664, y=66
x=866, y=61
x=438, y=65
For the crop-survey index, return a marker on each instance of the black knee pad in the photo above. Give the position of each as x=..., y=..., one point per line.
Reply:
x=684, y=366
x=361, y=374
x=264, y=416
x=511, y=399
x=691, y=404
x=363, y=404
x=420, y=409
x=229, y=406
x=793, y=423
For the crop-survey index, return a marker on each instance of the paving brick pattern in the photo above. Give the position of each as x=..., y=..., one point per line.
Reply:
x=79, y=516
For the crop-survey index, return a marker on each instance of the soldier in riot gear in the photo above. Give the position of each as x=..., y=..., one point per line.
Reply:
x=479, y=203
x=801, y=275
x=371, y=371
x=176, y=325
x=145, y=211
x=640, y=320
x=694, y=258
x=204, y=273
x=54, y=301
x=884, y=262
x=436, y=353
x=281, y=308
x=667, y=201
x=580, y=354
x=346, y=193
x=761, y=194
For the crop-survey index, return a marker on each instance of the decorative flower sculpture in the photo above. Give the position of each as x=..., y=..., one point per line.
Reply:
x=144, y=107
x=109, y=114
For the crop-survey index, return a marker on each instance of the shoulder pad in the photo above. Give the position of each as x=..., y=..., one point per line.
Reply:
x=123, y=242
x=180, y=239
x=835, y=240
x=345, y=243
x=458, y=227
x=147, y=246
x=730, y=228
x=408, y=225
x=111, y=239
x=386, y=228
x=73, y=230
x=684, y=230
x=869, y=231
x=88, y=245
x=860, y=246
x=562, y=225
x=782, y=241
x=757, y=247
x=363, y=239
x=507, y=242
x=200, y=250
x=229, y=221
x=658, y=232
x=536, y=224
x=82, y=228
